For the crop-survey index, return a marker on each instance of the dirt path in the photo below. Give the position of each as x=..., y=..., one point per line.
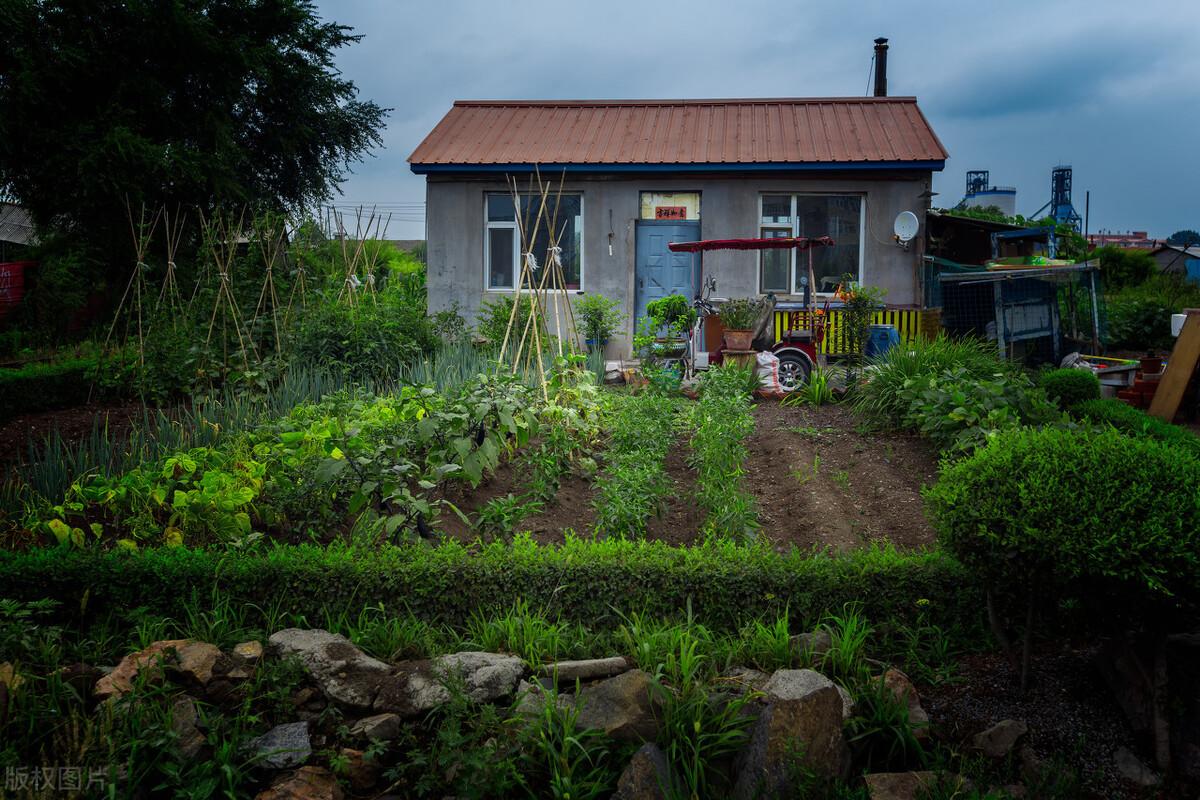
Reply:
x=820, y=480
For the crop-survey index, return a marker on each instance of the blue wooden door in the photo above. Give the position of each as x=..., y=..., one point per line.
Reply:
x=661, y=272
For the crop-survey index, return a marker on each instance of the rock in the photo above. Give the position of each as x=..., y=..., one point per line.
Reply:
x=345, y=674
x=306, y=783
x=381, y=727
x=282, y=747
x=586, y=670
x=794, y=684
x=999, y=740
x=646, y=777
x=195, y=661
x=80, y=677
x=808, y=727
x=185, y=722
x=251, y=652
x=847, y=702
x=120, y=681
x=1133, y=770
x=745, y=679
x=487, y=676
x=899, y=785
x=904, y=691
x=622, y=707
x=1031, y=764
x=362, y=773
x=813, y=646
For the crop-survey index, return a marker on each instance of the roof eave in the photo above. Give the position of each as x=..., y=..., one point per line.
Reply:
x=822, y=166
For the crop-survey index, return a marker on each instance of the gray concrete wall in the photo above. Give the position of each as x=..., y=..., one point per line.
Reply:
x=729, y=209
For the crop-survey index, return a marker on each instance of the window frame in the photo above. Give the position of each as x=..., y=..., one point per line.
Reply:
x=517, y=256
x=794, y=226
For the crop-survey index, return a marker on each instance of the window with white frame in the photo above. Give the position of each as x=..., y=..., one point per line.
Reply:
x=839, y=216
x=502, y=240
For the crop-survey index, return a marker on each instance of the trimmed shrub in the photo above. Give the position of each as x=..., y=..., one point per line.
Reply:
x=1039, y=508
x=588, y=581
x=1134, y=422
x=41, y=387
x=1068, y=387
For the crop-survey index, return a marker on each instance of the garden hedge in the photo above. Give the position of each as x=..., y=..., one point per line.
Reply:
x=585, y=581
x=40, y=387
x=1134, y=422
x=1070, y=386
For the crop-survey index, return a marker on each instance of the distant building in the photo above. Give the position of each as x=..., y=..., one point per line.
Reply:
x=1138, y=239
x=980, y=194
x=1175, y=257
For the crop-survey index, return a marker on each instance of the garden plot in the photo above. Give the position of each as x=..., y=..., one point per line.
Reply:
x=817, y=477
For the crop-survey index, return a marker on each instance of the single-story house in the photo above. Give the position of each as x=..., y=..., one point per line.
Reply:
x=638, y=174
x=1177, y=258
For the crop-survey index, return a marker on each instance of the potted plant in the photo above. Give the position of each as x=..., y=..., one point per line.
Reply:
x=676, y=315
x=738, y=317
x=599, y=319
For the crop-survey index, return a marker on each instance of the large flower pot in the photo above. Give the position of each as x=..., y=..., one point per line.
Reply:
x=738, y=340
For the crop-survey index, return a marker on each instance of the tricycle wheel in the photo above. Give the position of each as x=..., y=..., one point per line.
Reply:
x=793, y=371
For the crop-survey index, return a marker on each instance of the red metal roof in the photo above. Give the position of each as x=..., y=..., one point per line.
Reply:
x=826, y=130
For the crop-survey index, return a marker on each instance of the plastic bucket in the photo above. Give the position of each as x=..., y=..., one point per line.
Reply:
x=880, y=339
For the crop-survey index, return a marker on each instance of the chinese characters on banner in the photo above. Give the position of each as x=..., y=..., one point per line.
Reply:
x=670, y=212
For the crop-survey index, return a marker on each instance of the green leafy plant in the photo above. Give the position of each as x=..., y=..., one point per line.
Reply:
x=859, y=304
x=722, y=421
x=816, y=391
x=500, y=516
x=880, y=731
x=1135, y=422
x=741, y=313
x=634, y=483
x=599, y=317
x=674, y=311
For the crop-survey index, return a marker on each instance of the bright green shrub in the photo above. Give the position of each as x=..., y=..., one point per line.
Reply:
x=1139, y=317
x=1051, y=506
x=1134, y=422
x=879, y=395
x=1070, y=386
x=41, y=387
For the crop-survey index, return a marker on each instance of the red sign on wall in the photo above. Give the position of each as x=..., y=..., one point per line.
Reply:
x=670, y=212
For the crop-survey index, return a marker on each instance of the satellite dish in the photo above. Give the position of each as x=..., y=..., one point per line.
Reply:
x=906, y=226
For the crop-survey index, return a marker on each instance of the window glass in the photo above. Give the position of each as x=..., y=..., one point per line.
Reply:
x=776, y=208
x=838, y=216
x=500, y=257
x=499, y=208
x=775, y=265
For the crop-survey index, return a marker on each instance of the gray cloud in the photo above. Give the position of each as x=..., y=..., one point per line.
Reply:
x=1013, y=87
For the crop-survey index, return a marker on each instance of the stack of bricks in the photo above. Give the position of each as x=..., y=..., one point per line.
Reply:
x=1145, y=384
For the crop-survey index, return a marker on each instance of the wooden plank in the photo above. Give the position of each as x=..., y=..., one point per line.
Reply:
x=1180, y=369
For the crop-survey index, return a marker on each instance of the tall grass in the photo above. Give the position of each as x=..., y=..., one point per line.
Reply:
x=879, y=395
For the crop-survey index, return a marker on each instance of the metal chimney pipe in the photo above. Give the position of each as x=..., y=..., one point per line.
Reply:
x=881, y=48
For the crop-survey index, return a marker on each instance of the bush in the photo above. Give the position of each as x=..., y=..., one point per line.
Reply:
x=41, y=387
x=372, y=340
x=1038, y=508
x=1134, y=422
x=1121, y=266
x=592, y=582
x=879, y=395
x=492, y=322
x=1070, y=386
x=599, y=317
x=1139, y=317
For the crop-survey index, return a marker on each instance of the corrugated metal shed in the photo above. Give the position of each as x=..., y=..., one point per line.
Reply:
x=16, y=226
x=864, y=131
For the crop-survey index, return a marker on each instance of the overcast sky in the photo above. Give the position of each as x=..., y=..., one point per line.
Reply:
x=1111, y=88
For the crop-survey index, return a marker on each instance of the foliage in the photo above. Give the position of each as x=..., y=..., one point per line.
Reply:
x=566, y=760
x=371, y=340
x=1018, y=533
x=634, y=483
x=599, y=317
x=729, y=380
x=722, y=421
x=674, y=311
x=46, y=386
x=816, y=391
x=586, y=581
x=1070, y=386
x=236, y=103
x=741, y=313
x=58, y=287
x=500, y=516
x=1137, y=423
x=880, y=731
x=1184, y=238
x=1071, y=244
x=1139, y=317
x=494, y=316
x=879, y=396
x=1121, y=267
x=960, y=412
x=859, y=304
